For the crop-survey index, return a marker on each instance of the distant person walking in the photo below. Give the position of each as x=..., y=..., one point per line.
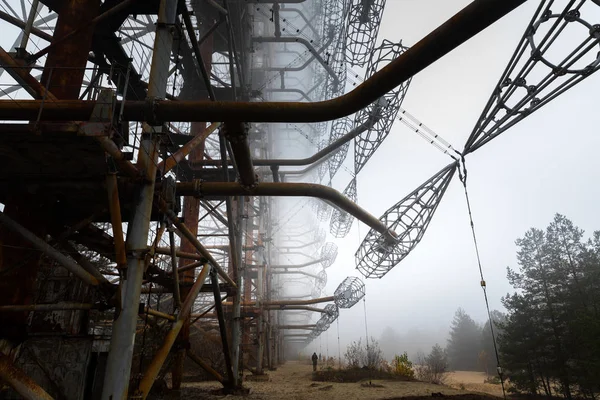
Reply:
x=315, y=358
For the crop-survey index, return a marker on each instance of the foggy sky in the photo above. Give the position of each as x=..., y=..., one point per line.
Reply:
x=543, y=165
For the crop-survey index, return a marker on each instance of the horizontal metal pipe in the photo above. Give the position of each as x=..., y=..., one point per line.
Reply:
x=180, y=254
x=306, y=264
x=303, y=161
x=19, y=381
x=292, y=308
x=45, y=248
x=288, y=302
x=464, y=25
x=310, y=327
x=201, y=189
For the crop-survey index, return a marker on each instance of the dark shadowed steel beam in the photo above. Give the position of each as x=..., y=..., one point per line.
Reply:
x=464, y=25
x=19, y=381
x=44, y=247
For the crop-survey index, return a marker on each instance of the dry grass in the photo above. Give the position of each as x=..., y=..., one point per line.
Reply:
x=294, y=381
x=472, y=382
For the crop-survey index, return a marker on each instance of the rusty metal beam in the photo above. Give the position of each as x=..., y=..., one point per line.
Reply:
x=114, y=207
x=21, y=24
x=468, y=22
x=44, y=247
x=48, y=307
x=21, y=74
x=237, y=135
x=204, y=366
x=222, y=327
x=168, y=164
x=185, y=232
x=19, y=381
x=181, y=254
x=198, y=188
x=111, y=149
x=89, y=25
x=162, y=353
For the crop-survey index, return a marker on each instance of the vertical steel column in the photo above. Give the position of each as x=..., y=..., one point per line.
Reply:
x=191, y=213
x=118, y=367
x=236, y=323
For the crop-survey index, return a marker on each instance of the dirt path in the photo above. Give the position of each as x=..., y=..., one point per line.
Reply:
x=293, y=381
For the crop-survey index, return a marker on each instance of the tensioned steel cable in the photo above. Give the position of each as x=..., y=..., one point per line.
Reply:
x=462, y=173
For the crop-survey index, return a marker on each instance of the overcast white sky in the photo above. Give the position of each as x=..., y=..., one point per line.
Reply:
x=546, y=164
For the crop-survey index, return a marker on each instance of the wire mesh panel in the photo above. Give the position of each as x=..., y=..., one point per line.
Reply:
x=332, y=312
x=341, y=221
x=321, y=280
x=559, y=49
x=349, y=292
x=323, y=211
x=409, y=219
x=383, y=111
x=339, y=128
x=363, y=25
x=329, y=253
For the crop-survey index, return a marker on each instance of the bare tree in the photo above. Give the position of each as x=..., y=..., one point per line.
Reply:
x=432, y=368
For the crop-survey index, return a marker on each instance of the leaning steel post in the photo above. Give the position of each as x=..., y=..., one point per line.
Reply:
x=118, y=368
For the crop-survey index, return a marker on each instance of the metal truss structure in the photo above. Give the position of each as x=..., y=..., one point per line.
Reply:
x=349, y=292
x=540, y=70
x=339, y=128
x=150, y=151
x=408, y=219
x=383, y=111
x=341, y=222
x=363, y=26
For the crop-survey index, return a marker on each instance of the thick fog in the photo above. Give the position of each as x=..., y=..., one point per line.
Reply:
x=543, y=165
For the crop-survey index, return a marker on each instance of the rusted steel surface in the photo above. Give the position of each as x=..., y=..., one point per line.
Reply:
x=21, y=74
x=181, y=254
x=65, y=64
x=111, y=148
x=81, y=29
x=205, y=366
x=43, y=246
x=159, y=314
x=116, y=221
x=465, y=24
x=19, y=265
x=237, y=135
x=161, y=354
x=198, y=140
x=185, y=232
x=47, y=307
x=19, y=381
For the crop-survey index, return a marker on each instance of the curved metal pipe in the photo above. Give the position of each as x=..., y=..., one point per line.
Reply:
x=465, y=24
x=200, y=189
x=307, y=44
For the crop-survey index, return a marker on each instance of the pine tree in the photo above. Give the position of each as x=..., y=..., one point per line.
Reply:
x=549, y=343
x=463, y=344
